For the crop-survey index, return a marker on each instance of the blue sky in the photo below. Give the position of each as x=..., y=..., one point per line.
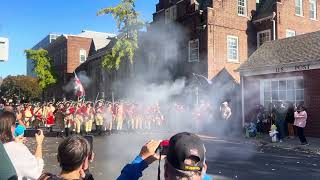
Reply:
x=25, y=22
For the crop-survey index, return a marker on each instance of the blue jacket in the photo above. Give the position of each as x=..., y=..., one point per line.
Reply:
x=134, y=170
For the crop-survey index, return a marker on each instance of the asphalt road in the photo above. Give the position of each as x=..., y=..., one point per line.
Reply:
x=226, y=159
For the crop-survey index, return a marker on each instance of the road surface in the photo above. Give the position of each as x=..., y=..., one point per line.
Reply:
x=225, y=159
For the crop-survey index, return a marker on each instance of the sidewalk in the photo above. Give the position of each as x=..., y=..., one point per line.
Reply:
x=293, y=144
x=265, y=140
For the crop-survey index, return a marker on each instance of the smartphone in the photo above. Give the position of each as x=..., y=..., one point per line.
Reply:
x=89, y=138
x=31, y=132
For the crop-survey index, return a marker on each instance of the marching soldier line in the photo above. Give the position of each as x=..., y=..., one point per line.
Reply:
x=80, y=117
x=84, y=117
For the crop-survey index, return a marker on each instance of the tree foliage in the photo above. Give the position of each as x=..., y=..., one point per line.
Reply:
x=43, y=67
x=128, y=24
x=20, y=86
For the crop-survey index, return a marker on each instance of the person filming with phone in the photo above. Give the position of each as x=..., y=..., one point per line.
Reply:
x=27, y=165
x=184, y=156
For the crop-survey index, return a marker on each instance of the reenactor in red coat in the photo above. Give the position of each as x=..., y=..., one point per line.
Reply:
x=120, y=116
x=28, y=115
x=79, y=117
x=69, y=118
x=89, y=117
x=99, y=118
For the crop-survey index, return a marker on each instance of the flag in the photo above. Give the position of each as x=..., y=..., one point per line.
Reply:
x=78, y=88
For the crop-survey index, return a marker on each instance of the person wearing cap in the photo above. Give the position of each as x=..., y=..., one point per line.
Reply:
x=185, y=159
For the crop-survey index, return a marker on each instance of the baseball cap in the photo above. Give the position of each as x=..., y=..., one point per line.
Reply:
x=183, y=146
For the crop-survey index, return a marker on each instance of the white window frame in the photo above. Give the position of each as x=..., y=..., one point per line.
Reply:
x=237, y=58
x=288, y=31
x=262, y=32
x=314, y=3
x=295, y=78
x=83, y=52
x=189, y=50
x=300, y=8
x=244, y=7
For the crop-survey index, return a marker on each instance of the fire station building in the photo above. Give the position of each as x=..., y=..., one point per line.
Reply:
x=286, y=70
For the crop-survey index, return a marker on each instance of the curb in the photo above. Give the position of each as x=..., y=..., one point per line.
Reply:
x=299, y=148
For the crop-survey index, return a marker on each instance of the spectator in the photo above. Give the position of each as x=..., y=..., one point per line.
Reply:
x=290, y=120
x=281, y=113
x=27, y=166
x=185, y=159
x=7, y=170
x=300, y=121
x=73, y=157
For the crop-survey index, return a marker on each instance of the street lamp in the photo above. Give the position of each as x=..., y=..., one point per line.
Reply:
x=199, y=75
x=197, y=88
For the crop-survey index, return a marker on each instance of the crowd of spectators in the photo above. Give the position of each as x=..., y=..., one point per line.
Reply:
x=184, y=159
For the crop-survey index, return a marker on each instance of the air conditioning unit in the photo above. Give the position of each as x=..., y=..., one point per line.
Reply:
x=4, y=49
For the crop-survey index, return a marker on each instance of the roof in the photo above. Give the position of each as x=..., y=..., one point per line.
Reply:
x=99, y=53
x=100, y=39
x=297, y=49
x=264, y=10
x=223, y=77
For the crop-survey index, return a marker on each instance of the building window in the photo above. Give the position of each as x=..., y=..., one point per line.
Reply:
x=83, y=55
x=263, y=36
x=242, y=7
x=232, y=45
x=313, y=9
x=282, y=90
x=194, y=50
x=298, y=7
x=290, y=33
x=170, y=14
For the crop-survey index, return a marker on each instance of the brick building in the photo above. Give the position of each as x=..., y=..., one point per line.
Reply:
x=284, y=70
x=206, y=36
x=67, y=52
x=223, y=34
x=44, y=43
x=106, y=83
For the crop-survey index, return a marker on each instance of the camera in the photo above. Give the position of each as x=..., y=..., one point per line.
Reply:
x=163, y=147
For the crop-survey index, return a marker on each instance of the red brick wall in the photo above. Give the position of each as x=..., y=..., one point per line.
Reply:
x=286, y=18
x=312, y=102
x=223, y=20
x=74, y=46
x=311, y=97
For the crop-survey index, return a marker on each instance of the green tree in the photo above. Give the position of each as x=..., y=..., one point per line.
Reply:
x=128, y=24
x=43, y=67
x=21, y=86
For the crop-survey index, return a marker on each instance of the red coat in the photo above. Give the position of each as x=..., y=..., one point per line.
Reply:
x=70, y=111
x=50, y=118
x=100, y=110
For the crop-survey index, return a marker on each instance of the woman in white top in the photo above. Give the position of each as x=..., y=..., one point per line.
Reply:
x=27, y=165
